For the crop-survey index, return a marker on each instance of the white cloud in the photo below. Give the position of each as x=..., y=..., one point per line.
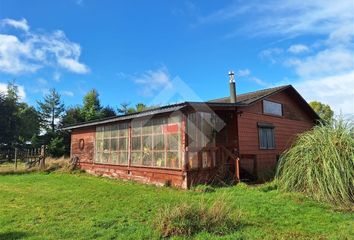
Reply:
x=298, y=48
x=19, y=24
x=243, y=72
x=30, y=51
x=326, y=72
x=67, y=93
x=21, y=90
x=56, y=76
x=336, y=90
x=153, y=80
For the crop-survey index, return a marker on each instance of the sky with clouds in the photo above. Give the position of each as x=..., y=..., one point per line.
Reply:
x=131, y=50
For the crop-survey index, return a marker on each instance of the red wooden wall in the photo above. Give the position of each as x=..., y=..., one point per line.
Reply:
x=294, y=121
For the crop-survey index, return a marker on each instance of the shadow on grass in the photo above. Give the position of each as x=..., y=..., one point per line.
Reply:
x=14, y=235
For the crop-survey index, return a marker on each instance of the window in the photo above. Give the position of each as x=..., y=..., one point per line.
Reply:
x=156, y=142
x=112, y=144
x=266, y=136
x=201, y=133
x=272, y=108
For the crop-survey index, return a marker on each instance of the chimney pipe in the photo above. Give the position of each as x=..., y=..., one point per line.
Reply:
x=232, y=87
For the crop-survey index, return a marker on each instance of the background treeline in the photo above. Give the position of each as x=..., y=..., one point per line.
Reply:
x=22, y=125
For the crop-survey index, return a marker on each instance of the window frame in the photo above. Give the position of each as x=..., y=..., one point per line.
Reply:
x=273, y=114
x=266, y=126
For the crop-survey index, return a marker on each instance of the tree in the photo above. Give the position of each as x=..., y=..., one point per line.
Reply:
x=51, y=109
x=125, y=109
x=72, y=115
x=108, y=112
x=323, y=110
x=92, y=106
x=29, y=122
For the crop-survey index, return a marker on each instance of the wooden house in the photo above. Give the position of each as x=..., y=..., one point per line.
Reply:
x=234, y=138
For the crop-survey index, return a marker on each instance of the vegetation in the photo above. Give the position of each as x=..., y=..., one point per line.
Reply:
x=321, y=164
x=79, y=206
x=187, y=219
x=323, y=110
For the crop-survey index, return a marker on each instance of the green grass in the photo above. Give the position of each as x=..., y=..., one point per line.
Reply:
x=79, y=206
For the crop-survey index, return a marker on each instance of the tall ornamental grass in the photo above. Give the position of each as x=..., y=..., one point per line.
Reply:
x=321, y=164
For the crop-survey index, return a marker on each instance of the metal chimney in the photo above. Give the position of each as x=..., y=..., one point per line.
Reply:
x=232, y=87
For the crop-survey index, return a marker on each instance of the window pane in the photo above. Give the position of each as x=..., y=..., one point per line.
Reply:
x=136, y=158
x=114, y=157
x=99, y=145
x=136, y=128
x=266, y=138
x=99, y=132
x=158, y=124
x=99, y=157
x=114, y=131
x=272, y=108
x=159, y=159
x=106, y=143
x=107, y=132
x=159, y=143
x=172, y=141
x=193, y=159
x=114, y=144
x=172, y=160
x=105, y=157
x=123, y=129
x=123, y=158
x=270, y=138
x=136, y=143
x=147, y=143
x=123, y=144
x=147, y=128
x=147, y=158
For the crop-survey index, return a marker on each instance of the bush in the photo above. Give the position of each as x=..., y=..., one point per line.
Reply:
x=189, y=219
x=321, y=164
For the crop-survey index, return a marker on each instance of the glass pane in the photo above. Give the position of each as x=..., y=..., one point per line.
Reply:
x=136, y=143
x=114, y=157
x=147, y=128
x=172, y=141
x=114, y=131
x=147, y=142
x=107, y=131
x=174, y=119
x=99, y=157
x=123, y=158
x=123, y=129
x=123, y=144
x=136, y=158
x=136, y=128
x=158, y=124
x=105, y=157
x=99, y=132
x=114, y=144
x=147, y=158
x=193, y=159
x=159, y=159
x=272, y=108
x=99, y=145
x=159, y=143
x=172, y=160
x=106, y=143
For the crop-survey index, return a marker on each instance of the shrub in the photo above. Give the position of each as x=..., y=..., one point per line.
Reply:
x=190, y=218
x=321, y=164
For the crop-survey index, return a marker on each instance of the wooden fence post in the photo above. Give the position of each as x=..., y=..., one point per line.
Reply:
x=42, y=158
x=237, y=170
x=15, y=158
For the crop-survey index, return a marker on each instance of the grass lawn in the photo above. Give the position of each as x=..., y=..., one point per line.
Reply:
x=79, y=206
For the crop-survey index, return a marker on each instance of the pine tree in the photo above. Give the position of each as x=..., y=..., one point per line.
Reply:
x=92, y=106
x=50, y=110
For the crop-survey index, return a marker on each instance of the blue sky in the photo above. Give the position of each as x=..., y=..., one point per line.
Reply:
x=130, y=51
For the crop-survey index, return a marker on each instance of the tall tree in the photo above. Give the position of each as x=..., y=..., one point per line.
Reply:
x=108, y=112
x=125, y=109
x=323, y=110
x=51, y=109
x=92, y=106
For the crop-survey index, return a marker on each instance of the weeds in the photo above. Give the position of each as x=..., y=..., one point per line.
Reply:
x=187, y=219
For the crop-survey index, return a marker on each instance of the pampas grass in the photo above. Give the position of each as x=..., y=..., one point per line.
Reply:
x=321, y=164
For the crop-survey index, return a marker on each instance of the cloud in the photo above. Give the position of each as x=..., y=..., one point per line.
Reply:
x=30, y=51
x=56, y=76
x=243, y=72
x=152, y=81
x=335, y=90
x=298, y=48
x=19, y=24
x=67, y=93
x=323, y=67
x=21, y=90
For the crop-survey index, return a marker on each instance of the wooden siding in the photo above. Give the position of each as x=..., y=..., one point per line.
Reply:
x=294, y=121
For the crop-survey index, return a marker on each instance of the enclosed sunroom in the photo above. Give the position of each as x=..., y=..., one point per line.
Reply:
x=181, y=144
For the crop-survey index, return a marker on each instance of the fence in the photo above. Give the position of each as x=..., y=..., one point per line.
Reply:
x=30, y=157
